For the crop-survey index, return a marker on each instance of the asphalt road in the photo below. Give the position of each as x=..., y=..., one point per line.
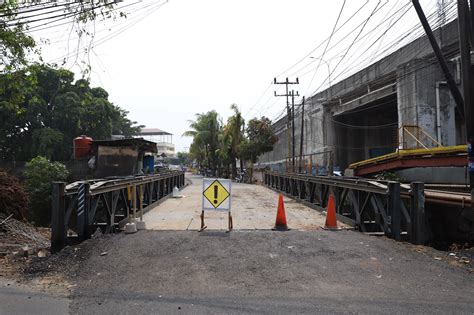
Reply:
x=18, y=299
x=264, y=272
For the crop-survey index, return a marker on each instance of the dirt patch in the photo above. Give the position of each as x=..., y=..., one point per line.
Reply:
x=53, y=274
x=457, y=255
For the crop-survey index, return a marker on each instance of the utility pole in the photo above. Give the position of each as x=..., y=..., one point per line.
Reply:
x=442, y=62
x=288, y=110
x=465, y=35
x=293, y=151
x=302, y=134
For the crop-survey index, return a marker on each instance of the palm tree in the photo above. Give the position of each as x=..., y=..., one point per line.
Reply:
x=205, y=132
x=233, y=136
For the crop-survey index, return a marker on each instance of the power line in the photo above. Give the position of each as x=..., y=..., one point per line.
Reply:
x=37, y=28
x=327, y=44
x=355, y=39
x=341, y=40
x=65, y=15
x=320, y=44
x=106, y=38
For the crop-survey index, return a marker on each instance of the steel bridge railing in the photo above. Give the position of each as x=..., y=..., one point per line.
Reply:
x=371, y=206
x=81, y=207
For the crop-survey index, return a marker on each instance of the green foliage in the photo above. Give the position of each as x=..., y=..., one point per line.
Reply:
x=17, y=47
x=15, y=44
x=233, y=135
x=39, y=174
x=45, y=110
x=205, y=132
x=184, y=158
x=47, y=141
x=260, y=139
x=219, y=147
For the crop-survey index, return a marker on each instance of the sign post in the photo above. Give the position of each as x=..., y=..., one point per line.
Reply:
x=216, y=195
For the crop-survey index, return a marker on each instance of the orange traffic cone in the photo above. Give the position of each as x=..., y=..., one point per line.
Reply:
x=331, y=220
x=280, y=223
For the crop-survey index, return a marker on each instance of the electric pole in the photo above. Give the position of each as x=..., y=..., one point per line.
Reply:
x=293, y=152
x=302, y=134
x=288, y=110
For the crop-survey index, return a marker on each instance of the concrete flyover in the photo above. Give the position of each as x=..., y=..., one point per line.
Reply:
x=363, y=115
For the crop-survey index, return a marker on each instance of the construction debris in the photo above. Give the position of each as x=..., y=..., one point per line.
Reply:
x=21, y=238
x=13, y=199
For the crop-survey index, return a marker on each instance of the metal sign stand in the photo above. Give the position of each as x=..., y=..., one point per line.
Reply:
x=203, y=226
x=216, y=196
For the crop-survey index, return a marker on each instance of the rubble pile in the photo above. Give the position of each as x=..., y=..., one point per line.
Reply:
x=13, y=199
x=17, y=237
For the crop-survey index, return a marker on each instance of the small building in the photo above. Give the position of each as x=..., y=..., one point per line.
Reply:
x=163, y=140
x=122, y=157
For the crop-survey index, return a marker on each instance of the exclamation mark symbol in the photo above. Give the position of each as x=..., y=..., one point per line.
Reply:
x=215, y=194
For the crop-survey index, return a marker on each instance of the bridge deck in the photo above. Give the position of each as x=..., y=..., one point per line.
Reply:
x=253, y=207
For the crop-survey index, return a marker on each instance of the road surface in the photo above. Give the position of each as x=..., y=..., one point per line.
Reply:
x=266, y=272
x=20, y=299
x=171, y=268
x=254, y=207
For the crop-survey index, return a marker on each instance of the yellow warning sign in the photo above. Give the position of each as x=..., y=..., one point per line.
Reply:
x=216, y=193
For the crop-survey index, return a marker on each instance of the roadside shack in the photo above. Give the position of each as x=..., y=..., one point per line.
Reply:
x=123, y=157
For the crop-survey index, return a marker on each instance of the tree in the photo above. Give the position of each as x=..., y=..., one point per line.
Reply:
x=233, y=135
x=45, y=110
x=183, y=158
x=17, y=46
x=205, y=132
x=260, y=139
x=47, y=142
x=39, y=174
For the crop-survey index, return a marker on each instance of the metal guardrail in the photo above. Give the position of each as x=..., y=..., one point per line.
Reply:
x=80, y=207
x=387, y=207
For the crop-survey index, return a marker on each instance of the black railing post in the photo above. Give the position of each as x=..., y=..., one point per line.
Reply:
x=82, y=211
x=58, y=226
x=417, y=213
x=394, y=210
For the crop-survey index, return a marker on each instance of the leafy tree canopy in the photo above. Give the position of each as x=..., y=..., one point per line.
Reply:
x=260, y=138
x=45, y=109
x=218, y=146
